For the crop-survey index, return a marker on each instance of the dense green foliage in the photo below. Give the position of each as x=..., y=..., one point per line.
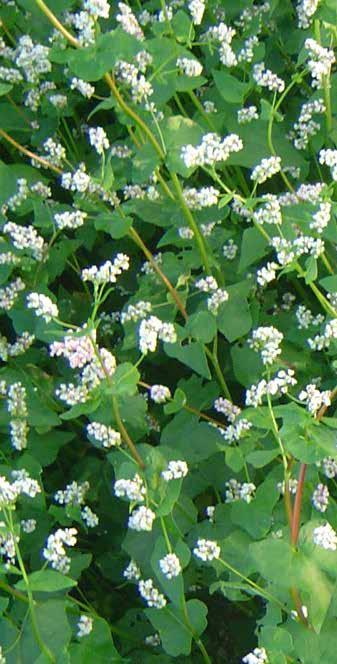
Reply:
x=169, y=332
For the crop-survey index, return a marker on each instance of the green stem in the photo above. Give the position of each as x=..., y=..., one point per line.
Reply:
x=44, y=649
x=191, y=222
x=125, y=434
x=326, y=84
x=261, y=591
x=217, y=369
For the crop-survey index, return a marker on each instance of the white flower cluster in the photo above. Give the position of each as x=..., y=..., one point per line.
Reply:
x=153, y=640
x=10, y=293
x=18, y=198
x=305, y=11
x=325, y=537
x=321, y=218
x=55, y=552
x=224, y=35
x=70, y=219
x=97, y=8
x=77, y=181
x=73, y=494
x=207, y=550
x=257, y=656
x=141, y=518
x=108, y=272
x=320, y=498
x=329, y=157
x=266, y=340
x=320, y=62
x=230, y=249
x=235, y=431
x=210, y=513
x=196, y=199
x=84, y=23
x=328, y=466
x=211, y=150
x=131, y=76
x=266, y=274
x=121, y=151
x=170, y=565
x=135, y=312
x=83, y=87
x=196, y=9
x=306, y=127
x=32, y=58
x=84, y=626
x=229, y=409
x=269, y=212
x=151, y=594
x=287, y=251
x=322, y=341
x=189, y=67
x=246, y=115
x=266, y=169
x=55, y=152
x=152, y=329
x=78, y=350
x=28, y=525
x=23, y=484
x=128, y=21
x=25, y=237
x=236, y=491
x=175, y=471
x=314, y=399
x=134, y=490
x=7, y=549
x=43, y=306
x=89, y=517
x=277, y=386
x=218, y=296
x=267, y=79
x=132, y=571
x=160, y=393
x=306, y=318
x=105, y=435
x=292, y=486
x=98, y=139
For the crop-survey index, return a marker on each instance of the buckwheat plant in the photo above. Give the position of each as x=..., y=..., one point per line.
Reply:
x=168, y=301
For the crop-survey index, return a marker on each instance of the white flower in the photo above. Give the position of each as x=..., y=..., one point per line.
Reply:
x=321, y=218
x=320, y=62
x=170, y=565
x=325, y=537
x=70, y=219
x=28, y=526
x=84, y=626
x=266, y=274
x=104, y=434
x=196, y=8
x=132, y=571
x=211, y=150
x=25, y=237
x=269, y=212
x=320, y=498
x=128, y=21
x=230, y=249
x=246, y=115
x=83, y=87
x=175, y=470
x=314, y=399
x=207, y=550
x=266, y=340
x=89, y=517
x=258, y=656
x=305, y=11
x=160, y=393
x=108, y=272
x=227, y=408
x=98, y=139
x=151, y=330
x=55, y=551
x=218, y=297
x=43, y=306
x=151, y=594
x=266, y=169
x=74, y=493
x=329, y=467
x=97, y=8
x=141, y=518
x=267, y=79
x=134, y=490
x=189, y=67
